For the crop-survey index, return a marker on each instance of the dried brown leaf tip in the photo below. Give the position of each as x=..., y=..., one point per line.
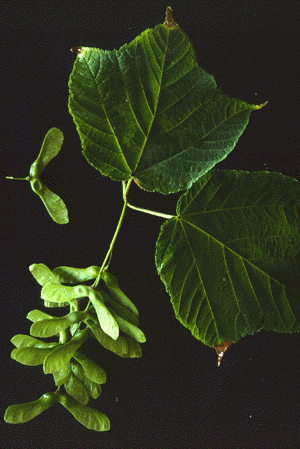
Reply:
x=221, y=348
x=170, y=22
x=75, y=50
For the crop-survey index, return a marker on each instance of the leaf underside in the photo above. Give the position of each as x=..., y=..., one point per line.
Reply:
x=148, y=111
x=230, y=259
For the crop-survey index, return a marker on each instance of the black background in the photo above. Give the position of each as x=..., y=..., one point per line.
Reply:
x=175, y=396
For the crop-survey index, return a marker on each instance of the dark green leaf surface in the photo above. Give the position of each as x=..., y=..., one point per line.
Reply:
x=230, y=260
x=149, y=111
x=20, y=413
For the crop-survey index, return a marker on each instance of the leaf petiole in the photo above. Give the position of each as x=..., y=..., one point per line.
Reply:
x=150, y=212
x=141, y=209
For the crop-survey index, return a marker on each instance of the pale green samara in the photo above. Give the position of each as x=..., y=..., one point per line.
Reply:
x=50, y=148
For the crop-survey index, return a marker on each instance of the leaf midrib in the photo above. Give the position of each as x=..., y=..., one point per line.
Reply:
x=200, y=278
x=190, y=147
x=154, y=112
x=104, y=109
x=244, y=264
x=232, y=208
x=243, y=260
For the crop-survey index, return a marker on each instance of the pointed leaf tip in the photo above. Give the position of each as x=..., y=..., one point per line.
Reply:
x=221, y=348
x=260, y=106
x=164, y=131
x=218, y=249
x=76, y=50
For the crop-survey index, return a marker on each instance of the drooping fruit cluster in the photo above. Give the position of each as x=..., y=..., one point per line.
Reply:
x=109, y=317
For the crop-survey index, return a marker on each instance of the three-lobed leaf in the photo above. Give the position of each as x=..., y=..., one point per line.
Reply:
x=230, y=259
x=147, y=111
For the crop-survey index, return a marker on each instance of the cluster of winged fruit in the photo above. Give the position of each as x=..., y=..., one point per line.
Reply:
x=109, y=317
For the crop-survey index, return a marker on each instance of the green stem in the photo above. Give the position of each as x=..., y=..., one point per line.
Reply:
x=19, y=179
x=114, y=237
x=141, y=209
x=151, y=212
